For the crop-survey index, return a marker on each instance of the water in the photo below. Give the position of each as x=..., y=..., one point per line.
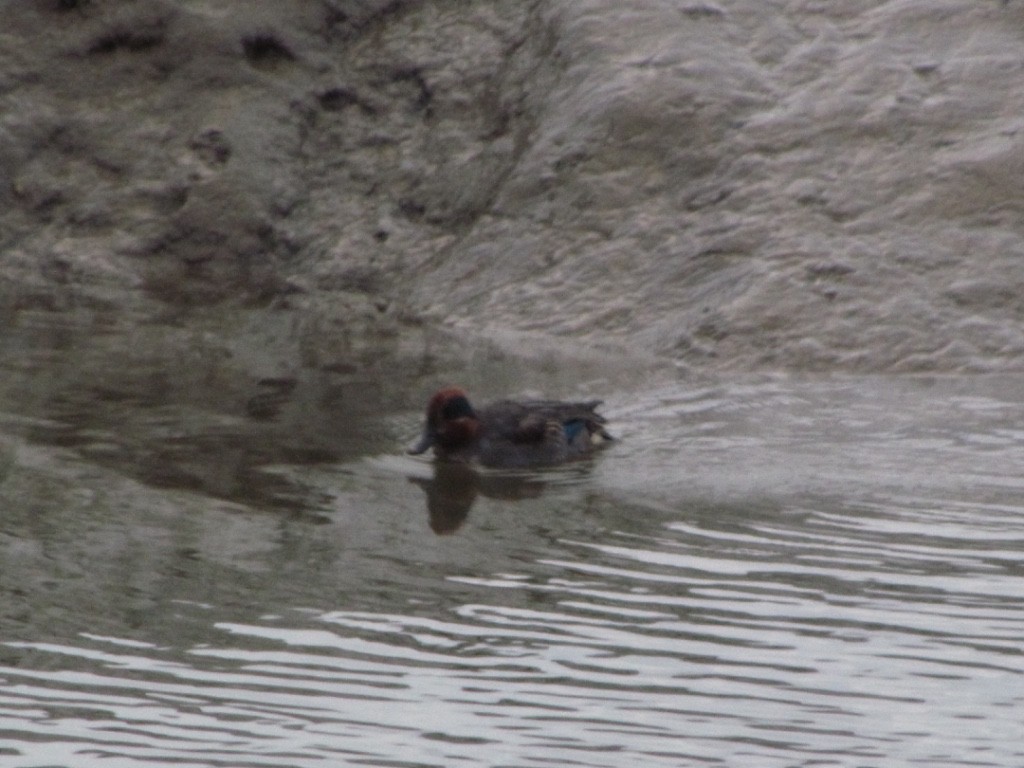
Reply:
x=214, y=553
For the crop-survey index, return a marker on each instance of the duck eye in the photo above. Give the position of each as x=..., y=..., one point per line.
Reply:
x=456, y=408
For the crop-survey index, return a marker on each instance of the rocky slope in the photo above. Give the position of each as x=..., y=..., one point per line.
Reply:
x=745, y=185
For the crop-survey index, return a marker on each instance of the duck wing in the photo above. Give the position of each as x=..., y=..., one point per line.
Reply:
x=533, y=421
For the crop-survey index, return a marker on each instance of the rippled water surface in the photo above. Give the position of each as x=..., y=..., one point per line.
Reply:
x=215, y=553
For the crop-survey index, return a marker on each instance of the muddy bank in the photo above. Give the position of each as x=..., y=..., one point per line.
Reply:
x=730, y=186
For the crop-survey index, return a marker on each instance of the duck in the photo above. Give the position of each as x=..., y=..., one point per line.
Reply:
x=510, y=433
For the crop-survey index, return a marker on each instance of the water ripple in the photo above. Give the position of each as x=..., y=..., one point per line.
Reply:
x=597, y=623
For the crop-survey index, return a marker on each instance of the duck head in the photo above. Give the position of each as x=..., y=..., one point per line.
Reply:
x=451, y=423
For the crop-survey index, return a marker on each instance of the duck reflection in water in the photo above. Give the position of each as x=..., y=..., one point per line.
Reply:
x=455, y=486
x=506, y=435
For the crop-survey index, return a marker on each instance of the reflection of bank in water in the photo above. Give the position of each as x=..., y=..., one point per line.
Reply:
x=454, y=487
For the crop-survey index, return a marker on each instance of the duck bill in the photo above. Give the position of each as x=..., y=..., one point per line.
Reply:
x=424, y=443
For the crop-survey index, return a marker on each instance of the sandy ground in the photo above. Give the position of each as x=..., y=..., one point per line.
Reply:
x=730, y=186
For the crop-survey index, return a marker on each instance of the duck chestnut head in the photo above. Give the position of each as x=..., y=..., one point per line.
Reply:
x=451, y=423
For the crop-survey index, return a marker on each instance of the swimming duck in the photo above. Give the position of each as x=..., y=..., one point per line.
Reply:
x=510, y=433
